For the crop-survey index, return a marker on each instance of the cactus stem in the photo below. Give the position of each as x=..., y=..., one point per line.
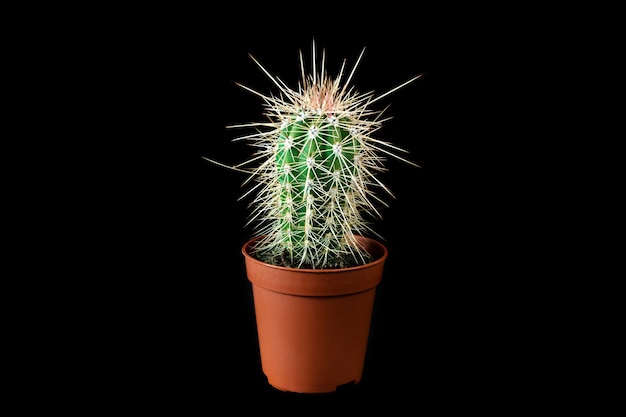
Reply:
x=317, y=165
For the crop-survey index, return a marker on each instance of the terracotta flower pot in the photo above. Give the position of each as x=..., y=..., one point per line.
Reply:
x=313, y=324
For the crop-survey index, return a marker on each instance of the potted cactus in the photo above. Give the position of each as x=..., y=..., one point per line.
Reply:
x=313, y=263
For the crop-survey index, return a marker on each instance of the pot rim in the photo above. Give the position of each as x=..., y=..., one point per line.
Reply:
x=380, y=254
x=317, y=282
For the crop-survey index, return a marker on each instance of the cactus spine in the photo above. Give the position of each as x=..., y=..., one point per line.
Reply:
x=318, y=166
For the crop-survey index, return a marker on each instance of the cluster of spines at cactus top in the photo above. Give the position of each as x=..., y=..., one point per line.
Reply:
x=316, y=168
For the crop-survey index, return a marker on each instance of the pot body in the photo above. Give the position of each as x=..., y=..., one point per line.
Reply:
x=313, y=324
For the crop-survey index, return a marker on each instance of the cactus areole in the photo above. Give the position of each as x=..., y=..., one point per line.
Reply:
x=316, y=168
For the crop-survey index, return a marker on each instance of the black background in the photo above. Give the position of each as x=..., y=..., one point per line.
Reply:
x=175, y=321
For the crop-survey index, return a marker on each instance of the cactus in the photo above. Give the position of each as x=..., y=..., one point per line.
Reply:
x=317, y=167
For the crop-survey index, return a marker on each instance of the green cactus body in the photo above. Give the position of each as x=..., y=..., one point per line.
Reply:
x=315, y=163
x=317, y=167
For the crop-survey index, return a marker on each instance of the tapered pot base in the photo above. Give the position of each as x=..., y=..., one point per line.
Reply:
x=313, y=325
